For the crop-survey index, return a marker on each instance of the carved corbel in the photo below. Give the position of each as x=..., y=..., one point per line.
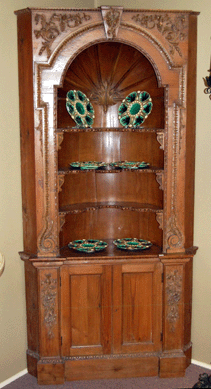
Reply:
x=159, y=218
x=61, y=221
x=111, y=18
x=159, y=179
x=160, y=139
x=60, y=137
x=60, y=182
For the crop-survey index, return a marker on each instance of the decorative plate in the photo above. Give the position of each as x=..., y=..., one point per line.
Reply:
x=130, y=164
x=88, y=165
x=134, y=109
x=132, y=244
x=80, y=108
x=88, y=245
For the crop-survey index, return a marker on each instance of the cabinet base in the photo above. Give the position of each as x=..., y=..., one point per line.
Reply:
x=107, y=367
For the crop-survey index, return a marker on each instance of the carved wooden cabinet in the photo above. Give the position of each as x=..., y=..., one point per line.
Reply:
x=113, y=313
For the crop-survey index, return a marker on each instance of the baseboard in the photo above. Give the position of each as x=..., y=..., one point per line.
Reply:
x=198, y=363
x=13, y=378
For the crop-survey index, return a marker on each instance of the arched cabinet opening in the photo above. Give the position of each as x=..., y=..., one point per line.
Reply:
x=127, y=115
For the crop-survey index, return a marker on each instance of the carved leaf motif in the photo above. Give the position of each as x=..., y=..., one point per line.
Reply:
x=173, y=30
x=174, y=293
x=57, y=24
x=48, y=296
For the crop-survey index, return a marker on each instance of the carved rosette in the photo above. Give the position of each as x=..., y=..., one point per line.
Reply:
x=174, y=294
x=58, y=23
x=48, y=298
x=174, y=30
x=111, y=18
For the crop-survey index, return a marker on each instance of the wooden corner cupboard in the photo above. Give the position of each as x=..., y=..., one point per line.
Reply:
x=113, y=313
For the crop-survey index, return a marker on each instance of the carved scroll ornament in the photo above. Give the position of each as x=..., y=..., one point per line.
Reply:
x=57, y=24
x=173, y=30
x=48, y=296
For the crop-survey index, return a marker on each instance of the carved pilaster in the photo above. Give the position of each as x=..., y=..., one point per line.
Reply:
x=48, y=298
x=174, y=294
x=111, y=18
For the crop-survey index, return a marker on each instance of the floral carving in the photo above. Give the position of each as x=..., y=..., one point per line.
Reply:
x=111, y=17
x=174, y=293
x=48, y=296
x=173, y=30
x=57, y=24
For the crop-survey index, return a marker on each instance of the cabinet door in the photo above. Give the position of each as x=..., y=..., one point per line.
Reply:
x=137, y=307
x=86, y=309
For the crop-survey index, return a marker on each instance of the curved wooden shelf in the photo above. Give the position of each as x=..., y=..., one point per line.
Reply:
x=66, y=170
x=108, y=129
x=131, y=206
x=111, y=253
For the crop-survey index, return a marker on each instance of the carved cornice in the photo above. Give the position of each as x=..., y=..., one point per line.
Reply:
x=58, y=23
x=174, y=294
x=48, y=298
x=111, y=18
x=174, y=30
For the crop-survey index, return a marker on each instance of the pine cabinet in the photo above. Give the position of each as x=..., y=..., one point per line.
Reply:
x=115, y=312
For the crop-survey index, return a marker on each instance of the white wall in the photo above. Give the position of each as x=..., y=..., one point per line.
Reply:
x=12, y=294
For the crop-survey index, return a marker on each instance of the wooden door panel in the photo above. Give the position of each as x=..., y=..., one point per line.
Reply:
x=137, y=307
x=86, y=310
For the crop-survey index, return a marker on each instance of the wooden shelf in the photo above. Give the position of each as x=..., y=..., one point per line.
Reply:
x=110, y=253
x=109, y=169
x=131, y=206
x=105, y=129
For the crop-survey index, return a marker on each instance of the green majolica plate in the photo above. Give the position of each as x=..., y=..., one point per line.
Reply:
x=80, y=108
x=132, y=244
x=88, y=245
x=134, y=109
x=130, y=165
x=88, y=165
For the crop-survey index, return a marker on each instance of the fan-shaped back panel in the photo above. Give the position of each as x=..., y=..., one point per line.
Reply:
x=107, y=72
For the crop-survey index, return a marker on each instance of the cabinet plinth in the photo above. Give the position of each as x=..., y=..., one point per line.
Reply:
x=116, y=312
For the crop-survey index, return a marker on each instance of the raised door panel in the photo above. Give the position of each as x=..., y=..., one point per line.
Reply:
x=137, y=307
x=86, y=310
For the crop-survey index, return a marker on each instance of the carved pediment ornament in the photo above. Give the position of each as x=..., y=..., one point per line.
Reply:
x=174, y=294
x=111, y=18
x=57, y=23
x=48, y=297
x=173, y=30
